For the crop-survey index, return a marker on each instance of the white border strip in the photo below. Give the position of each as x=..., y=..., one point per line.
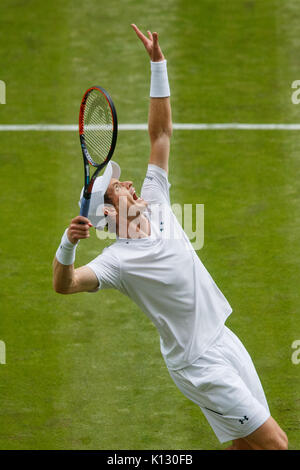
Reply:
x=144, y=127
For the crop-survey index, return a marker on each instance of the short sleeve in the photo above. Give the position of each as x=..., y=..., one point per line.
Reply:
x=107, y=269
x=156, y=186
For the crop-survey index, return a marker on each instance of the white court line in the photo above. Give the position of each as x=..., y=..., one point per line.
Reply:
x=144, y=127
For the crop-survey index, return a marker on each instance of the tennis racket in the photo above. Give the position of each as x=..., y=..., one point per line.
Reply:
x=98, y=130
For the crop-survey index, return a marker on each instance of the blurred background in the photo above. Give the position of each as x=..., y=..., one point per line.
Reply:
x=85, y=371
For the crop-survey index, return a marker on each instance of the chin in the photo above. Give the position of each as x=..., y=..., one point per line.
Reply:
x=138, y=206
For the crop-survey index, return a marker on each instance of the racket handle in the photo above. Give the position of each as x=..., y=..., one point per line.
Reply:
x=84, y=209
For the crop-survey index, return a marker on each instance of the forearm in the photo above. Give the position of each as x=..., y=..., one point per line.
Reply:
x=63, y=265
x=160, y=116
x=63, y=277
x=66, y=279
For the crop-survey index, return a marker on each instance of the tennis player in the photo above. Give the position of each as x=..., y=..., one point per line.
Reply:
x=164, y=276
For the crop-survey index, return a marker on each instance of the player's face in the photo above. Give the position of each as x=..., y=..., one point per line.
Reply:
x=125, y=189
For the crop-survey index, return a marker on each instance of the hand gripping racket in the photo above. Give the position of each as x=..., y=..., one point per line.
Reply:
x=98, y=130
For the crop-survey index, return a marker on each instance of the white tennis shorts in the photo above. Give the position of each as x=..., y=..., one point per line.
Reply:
x=225, y=384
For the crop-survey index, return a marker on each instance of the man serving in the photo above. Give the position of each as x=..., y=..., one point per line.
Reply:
x=164, y=276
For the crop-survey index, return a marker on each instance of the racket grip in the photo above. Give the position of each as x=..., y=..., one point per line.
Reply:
x=84, y=209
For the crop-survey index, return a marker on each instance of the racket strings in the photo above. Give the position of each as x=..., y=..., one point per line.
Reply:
x=98, y=126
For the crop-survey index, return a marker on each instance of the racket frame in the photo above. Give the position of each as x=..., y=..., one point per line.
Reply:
x=87, y=159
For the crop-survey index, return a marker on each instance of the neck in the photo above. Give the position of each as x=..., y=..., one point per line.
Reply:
x=137, y=227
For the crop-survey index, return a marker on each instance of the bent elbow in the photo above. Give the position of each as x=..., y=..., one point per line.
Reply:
x=161, y=136
x=60, y=290
x=169, y=131
x=63, y=292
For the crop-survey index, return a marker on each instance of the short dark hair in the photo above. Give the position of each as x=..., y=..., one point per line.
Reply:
x=107, y=200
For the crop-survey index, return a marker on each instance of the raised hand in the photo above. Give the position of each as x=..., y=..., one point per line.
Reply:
x=151, y=44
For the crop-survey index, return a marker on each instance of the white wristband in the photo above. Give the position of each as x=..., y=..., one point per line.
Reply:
x=159, y=87
x=66, y=251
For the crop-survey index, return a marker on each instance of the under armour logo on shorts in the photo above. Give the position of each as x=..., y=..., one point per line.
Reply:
x=242, y=420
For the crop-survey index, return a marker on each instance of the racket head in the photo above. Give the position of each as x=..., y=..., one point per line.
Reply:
x=98, y=126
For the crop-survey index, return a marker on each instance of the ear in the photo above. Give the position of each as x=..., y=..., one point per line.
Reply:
x=110, y=211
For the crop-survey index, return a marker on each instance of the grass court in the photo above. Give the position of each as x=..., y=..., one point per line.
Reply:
x=85, y=371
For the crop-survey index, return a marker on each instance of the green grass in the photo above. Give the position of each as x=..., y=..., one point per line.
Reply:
x=85, y=371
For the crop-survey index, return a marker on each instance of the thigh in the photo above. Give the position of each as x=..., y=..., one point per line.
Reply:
x=269, y=436
x=236, y=353
x=239, y=444
x=223, y=377
x=232, y=406
x=228, y=405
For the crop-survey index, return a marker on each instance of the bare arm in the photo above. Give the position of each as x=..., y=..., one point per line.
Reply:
x=160, y=117
x=67, y=279
x=160, y=131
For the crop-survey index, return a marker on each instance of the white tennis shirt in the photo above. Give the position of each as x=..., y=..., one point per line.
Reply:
x=164, y=276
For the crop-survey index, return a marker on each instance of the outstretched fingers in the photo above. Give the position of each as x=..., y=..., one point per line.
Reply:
x=140, y=34
x=151, y=43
